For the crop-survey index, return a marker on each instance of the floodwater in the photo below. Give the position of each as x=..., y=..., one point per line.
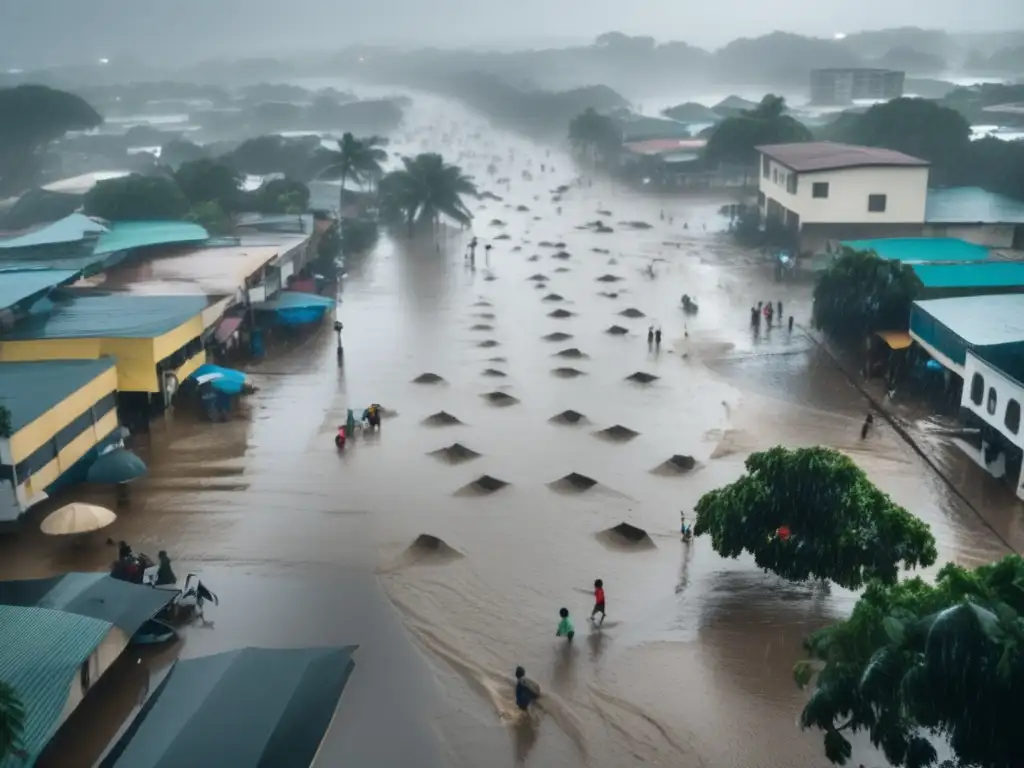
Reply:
x=306, y=546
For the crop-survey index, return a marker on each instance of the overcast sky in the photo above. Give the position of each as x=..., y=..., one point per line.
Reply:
x=32, y=31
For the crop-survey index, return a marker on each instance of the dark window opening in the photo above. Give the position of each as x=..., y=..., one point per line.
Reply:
x=1012, y=417
x=766, y=166
x=876, y=203
x=85, y=678
x=791, y=183
x=977, y=388
x=993, y=401
x=819, y=189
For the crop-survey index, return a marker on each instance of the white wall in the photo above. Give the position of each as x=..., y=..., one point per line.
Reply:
x=906, y=190
x=1006, y=389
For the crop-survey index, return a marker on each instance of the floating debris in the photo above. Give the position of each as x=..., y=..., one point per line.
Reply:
x=617, y=330
x=494, y=373
x=617, y=434
x=635, y=224
x=497, y=223
x=553, y=297
x=428, y=378
x=642, y=378
x=568, y=417
x=563, y=255
x=568, y=373
x=441, y=419
x=560, y=314
x=481, y=327
x=504, y=236
x=632, y=312
x=537, y=277
x=557, y=336
x=606, y=278
x=571, y=353
x=500, y=399
x=488, y=344
x=456, y=453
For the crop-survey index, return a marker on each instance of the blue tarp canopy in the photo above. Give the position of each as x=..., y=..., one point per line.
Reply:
x=296, y=307
x=18, y=285
x=250, y=708
x=225, y=380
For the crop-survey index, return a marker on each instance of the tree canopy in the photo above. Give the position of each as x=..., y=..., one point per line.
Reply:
x=916, y=659
x=860, y=294
x=206, y=180
x=31, y=116
x=733, y=140
x=595, y=134
x=424, y=190
x=811, y=513
x=357, y=160
x=136, y=197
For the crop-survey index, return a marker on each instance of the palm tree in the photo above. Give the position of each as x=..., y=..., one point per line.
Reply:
x=356, y=159
x=12, y=721
x=594, y=134
x=425, y=189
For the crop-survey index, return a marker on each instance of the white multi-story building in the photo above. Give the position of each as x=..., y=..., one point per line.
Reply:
x=822, y=191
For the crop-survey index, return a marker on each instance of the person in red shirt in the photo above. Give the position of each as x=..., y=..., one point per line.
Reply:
x=598, y=601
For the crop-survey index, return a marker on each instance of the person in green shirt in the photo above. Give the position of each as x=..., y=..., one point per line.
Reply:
x=565, y=627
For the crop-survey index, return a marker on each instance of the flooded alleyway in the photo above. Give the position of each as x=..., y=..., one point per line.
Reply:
x=304, y=545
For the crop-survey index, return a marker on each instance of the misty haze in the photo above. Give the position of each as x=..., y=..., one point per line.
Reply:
x=563, y=384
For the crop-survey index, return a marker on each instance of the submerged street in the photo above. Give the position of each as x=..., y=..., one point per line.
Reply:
x=306, y=545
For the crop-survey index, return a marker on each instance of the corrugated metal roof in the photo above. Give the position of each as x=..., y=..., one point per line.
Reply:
x=41, y=652
x=980, y=321
x=16, y=286
x=921, y=249
x=28, y=390
x=70, y=229
x=97, y=595
x=972, y=205
x=827, y=155
x=128, y=235
x=993, y=274
x=294, y=300
x=109, y=315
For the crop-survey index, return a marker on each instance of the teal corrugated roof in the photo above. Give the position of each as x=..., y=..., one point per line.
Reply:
x=981, y=321
x=70, y=229
x=972, y=205
x=110, y=316
x=921, y=249
x=16, y=286
x=294, y=300
x=28, y=390
x=41, y=652
x=990, y=274
x=128, y=235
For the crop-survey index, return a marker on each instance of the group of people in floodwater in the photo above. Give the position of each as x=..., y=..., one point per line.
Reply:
x=768, y=311
x=370, y=420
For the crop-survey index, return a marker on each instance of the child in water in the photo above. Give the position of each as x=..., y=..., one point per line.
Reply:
x=527, y=691
x=565, y=627
x=598, y=601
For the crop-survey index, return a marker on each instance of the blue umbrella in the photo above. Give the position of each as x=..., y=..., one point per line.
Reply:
x=117, y=466
x=225, y=380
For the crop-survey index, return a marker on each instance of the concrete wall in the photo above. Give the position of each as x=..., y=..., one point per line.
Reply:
x=101, y=660
x=906, y=190
x=1006, y=390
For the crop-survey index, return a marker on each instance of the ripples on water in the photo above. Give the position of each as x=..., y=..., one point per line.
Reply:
x=694, y=664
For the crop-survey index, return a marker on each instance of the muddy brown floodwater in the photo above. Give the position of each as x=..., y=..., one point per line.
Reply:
x=510, y=463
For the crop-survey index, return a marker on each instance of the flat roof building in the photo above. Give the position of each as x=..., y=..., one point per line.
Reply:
x=843, y=86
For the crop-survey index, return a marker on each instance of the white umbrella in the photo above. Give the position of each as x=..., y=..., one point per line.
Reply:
x=208, y=377
x=77, y=518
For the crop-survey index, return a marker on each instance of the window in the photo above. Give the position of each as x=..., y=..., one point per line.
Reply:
x=775, y=175
x=819, y=189
x=791, y=183
x=1012, y=418
x=990, y=406
x=766, y=166
x=876, y=203
x=977, y=388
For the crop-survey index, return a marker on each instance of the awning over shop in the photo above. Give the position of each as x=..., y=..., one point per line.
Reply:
x=295, y=307
x=226, y=329
x=250, y=708
x=895, y=339
x=117, y=466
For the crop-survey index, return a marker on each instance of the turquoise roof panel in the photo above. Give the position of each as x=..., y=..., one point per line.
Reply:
x=921, y=249
x=28, y=390
x=972, y=205
x=70, y=229
x=16, y=286
x=295, y=300
x=128, y=235
x=108, y=316
x=991, y=274
x=41, y=652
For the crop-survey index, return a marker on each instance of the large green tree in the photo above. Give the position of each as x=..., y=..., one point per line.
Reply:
x=916, y=660
x=32, y=116
x=206, y=180
x=811, y=513
x=734, y=141
x=424, y=190
x=136, y=197
x=12, y=721
x=860, y=293
x=357, y=160
x=594, y=135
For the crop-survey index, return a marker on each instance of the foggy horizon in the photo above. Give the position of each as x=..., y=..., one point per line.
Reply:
x=60, y=32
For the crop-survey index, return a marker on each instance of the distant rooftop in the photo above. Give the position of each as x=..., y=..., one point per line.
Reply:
x=17, y=286
x=128, y=235
x=28, y=390
x=972, y=205
x=70, y=229
x=990, y=274
x=665, y=146
x=79, y=185
x=912, y=250
x=109, y=316
x=809, y=156
x=981, y=321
